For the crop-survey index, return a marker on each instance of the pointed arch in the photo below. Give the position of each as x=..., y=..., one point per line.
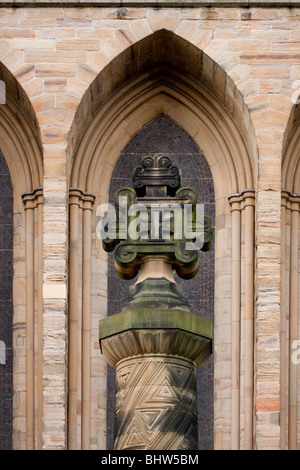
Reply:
x=20, y=136
x=165, y=74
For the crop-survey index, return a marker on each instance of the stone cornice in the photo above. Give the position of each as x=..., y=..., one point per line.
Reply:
x=81, y=198
x=240, y=200
x=150, y=3
x=290, y=200
x=31, y=199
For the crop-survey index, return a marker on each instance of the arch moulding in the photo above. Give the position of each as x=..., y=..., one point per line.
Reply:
x=106, y=120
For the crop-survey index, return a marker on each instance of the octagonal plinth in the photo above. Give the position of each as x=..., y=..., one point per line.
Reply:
x=156, y=354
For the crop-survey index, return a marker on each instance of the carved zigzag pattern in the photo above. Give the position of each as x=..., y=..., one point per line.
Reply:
x=156, y=404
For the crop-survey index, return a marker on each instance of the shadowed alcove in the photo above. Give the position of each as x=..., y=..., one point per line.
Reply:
x=21, y=176
x=164, y=78
x=6, y=307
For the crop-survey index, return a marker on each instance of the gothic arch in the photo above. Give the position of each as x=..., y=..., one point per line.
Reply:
x=20, y=136
x=146, y=80
x=128, y=92
x=21, y=146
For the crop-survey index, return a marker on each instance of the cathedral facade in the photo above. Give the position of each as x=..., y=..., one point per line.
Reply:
x=86, y=90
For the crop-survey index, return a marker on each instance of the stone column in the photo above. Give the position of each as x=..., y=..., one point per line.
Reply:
x=79, y=347
x=290, y=207
x=249, y=201
x=293, y=321
x=87, y=203
x=156, y=353
x=235, y=202
x=242, y=209
x=74, y=203
x=155, y=342
x=285, y=209
x=31, y=201
x=156, y=405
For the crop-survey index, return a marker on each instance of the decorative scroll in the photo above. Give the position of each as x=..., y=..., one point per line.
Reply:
x=156, y=177
x=157, y=217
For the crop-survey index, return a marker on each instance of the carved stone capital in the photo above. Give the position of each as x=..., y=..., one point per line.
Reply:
x=33, y=198
x=150, y=342
x=81, y=198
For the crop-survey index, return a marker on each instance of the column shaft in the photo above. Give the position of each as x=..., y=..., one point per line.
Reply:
x=235, y=325
x=86, y=323
x=29, y=329
x=242, y=204
x=283, y=368
x=39, y=289
x=73, y=321
x=249, y=320
x=293, y=324
x=34, y=313
x=156, y=404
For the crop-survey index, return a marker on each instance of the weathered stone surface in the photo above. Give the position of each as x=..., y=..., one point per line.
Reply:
x=156, y=404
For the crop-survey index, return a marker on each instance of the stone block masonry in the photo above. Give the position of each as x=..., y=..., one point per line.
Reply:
x=78, y=69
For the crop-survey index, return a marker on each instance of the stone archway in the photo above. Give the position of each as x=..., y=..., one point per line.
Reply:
x=116, y=106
